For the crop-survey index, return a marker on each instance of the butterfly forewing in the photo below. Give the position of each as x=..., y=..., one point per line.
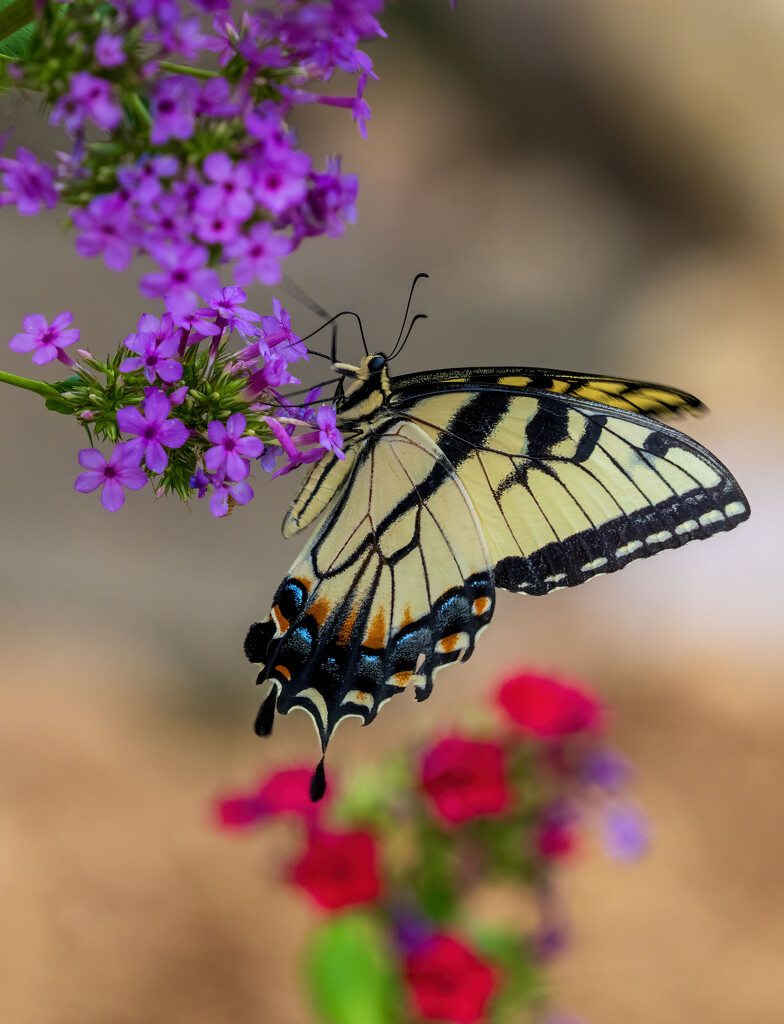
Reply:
x=565, y=489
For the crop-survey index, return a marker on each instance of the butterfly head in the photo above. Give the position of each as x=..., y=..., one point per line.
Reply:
x=364, y=387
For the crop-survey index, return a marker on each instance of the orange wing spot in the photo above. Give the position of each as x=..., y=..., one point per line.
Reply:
x=283, y=671
x=481, y=605
x=344, y=636
x=278, y=616
x=400, y=678
x=319, y=610
x=408, y=618
x=448, y=643
x=377, y=634
x=307, y=584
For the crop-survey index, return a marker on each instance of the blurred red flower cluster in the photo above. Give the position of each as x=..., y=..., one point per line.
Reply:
x=507, y=804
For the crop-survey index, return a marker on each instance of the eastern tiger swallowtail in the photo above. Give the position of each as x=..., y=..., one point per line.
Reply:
x=456, y=484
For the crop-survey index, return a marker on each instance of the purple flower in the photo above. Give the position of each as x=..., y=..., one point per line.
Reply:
x=143, y=179
x=153, y=356
x=231, y=449
x=88, y=97
x=215, y=227
x=279, y=336
x=214, y=99
x=46, y=341
x=330, y=437
x=230, y=187
x=183, y=272
x=196, y=320
x=281, y=184
x=625, y=831
x=119, y=471
x=258, y=254
x=109, y=50
x=226, y=304
x=106, y=228
x=29, y=184
x=153, y=429
x=200, y=482
x=605, y=769
x=273, y=374
x=330, y=200
x=223, y=490
x=173, y=108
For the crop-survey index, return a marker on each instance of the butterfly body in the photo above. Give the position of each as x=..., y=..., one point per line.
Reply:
x=457, y=483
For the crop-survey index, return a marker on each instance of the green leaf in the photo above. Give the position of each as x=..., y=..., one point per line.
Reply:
x=17, y=27
x=61, y=407
x=350, y=973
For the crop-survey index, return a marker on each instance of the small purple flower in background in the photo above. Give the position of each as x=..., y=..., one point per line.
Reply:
x=106, y=228
x=330, y=437
x=230, y=187
x=173, y=109
x=279, y=336
x=606, y=769
x=109, y=50
x=258, y=254
x=46, y=341
x=120, y=470
x=89, y=98
x=231, y=449
x=28, y=183
x=153, y=430
x=184, y=273
x=153, y=357
x=200, y=482
x=625, y=831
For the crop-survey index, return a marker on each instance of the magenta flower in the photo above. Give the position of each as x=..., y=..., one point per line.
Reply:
x=89, y=98
x=46, y=341
x=173, y=109
x=153, y=430
x=330, y=437
x=223, y=489
x=184, y=272
x=28, y=183
x=106, y=228
x=120, y=470
x=109, y=50
x=226, y=304
x=154, y=356
x=258, y=254
x=231, y=449
x=229, y=189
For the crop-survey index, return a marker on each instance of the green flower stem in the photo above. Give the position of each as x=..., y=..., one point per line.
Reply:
x=45, y=390
x=181, y=69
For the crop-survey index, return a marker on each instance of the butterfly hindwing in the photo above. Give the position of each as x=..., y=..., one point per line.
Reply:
x=566, y=489
x=394, y=585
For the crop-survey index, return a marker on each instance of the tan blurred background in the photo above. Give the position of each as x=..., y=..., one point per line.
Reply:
x=593, y=186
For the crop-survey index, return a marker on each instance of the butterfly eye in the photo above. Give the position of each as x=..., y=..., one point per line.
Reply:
x=377, y=363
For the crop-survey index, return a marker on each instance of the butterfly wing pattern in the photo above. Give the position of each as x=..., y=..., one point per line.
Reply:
x=458, y=483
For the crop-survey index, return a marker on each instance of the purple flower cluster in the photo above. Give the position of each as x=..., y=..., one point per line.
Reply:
x=201, y=167
x=195, y=413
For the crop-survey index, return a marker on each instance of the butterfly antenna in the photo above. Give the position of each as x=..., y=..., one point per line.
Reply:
x=298, y=293
x=395, y=350
x=419, y=316
x=332, y=319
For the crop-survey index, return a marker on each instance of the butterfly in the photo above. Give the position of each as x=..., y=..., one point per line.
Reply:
x=457, y=484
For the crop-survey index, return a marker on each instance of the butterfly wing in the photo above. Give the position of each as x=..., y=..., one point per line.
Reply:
x=566, y=488
x=395, y=584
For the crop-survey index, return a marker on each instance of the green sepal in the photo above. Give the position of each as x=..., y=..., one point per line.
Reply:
x=17, y=27
x=351, y=973
x=62, y=386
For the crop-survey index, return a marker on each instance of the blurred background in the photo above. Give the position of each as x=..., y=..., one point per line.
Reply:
x=593, y=186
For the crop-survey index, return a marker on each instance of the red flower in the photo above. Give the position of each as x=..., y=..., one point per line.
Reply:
x=542, y=706
x=465, y=779
x=283, y=792
x=339, y=869
x=447, y=981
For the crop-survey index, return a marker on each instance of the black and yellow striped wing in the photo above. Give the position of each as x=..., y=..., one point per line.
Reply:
x=462, y=482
